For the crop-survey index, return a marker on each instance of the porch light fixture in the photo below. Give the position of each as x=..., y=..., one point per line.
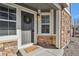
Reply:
x=38, y=14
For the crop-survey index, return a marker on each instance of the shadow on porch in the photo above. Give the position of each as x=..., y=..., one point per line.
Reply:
x=49, y=46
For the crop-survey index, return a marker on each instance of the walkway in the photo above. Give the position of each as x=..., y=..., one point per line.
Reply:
x=73, y=48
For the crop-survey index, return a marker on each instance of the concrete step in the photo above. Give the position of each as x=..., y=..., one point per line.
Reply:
x=43, y=52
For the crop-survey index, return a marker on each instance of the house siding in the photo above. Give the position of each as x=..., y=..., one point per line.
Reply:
x=65, y=28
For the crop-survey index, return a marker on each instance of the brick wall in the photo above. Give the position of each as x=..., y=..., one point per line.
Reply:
x=46, y=40
x=65, y=28
x=8, y=48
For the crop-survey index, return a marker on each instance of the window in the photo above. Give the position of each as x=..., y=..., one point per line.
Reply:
x=12, y=16
x=3, y=8
x=45, y=28
x=45, y=23
x=12, y=10
x=12, y=28
x=12, y=13
x=7, y=20
x=45, y=19
x=3, y=12
x=3, y=28
x=3, y=15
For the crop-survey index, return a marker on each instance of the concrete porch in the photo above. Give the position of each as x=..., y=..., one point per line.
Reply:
x=42, y=52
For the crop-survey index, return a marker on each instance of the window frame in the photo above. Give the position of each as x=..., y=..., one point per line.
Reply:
x=45, y=13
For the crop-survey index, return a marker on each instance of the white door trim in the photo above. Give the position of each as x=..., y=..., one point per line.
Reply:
x=35, y=29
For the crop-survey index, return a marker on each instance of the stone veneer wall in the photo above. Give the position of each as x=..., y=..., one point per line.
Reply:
x=8, y=48
x=65, y=28
x=46, y=40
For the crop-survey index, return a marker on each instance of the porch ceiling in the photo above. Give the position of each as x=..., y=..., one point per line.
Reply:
x=36, y=6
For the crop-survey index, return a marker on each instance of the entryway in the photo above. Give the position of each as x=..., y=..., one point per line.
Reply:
x=27, y=27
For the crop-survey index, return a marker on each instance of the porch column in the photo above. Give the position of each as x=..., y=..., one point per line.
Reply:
x=58, y=28
x=52, y=21
x=39, y=21
x=18, y=25
x=35, y=28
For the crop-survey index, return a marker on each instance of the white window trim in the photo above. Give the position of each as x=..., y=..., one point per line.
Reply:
x=40, y=32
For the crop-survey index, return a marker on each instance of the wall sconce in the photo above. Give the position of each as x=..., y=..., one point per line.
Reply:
x=38, y=14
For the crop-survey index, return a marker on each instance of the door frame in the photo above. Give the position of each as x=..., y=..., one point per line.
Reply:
x=35, y=29
x=24, y=45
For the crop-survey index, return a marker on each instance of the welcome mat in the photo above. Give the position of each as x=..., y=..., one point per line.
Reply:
x=31, y=48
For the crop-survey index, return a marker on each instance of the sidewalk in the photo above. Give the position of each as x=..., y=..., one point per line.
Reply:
x=73, y=48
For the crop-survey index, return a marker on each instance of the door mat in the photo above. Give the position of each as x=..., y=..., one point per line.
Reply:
x=31, y=48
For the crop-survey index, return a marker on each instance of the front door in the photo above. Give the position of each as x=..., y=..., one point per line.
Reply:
x=27, y=27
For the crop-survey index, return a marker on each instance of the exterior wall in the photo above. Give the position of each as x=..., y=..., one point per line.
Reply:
x=46, y=40
x=65, y=28
x=8, y=48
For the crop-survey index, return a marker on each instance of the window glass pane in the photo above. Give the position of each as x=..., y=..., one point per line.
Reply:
x=45, y=28
x=3, y=28
x=3, y=15
x=12, y=10
x=12, y=16
x=12, y=28
x=45, y=19
x=12, y=13
x=3, y=8
x=45, y=24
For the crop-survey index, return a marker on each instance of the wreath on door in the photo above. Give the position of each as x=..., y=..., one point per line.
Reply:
x=27, y=19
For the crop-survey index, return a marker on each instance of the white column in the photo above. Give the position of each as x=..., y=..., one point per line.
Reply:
x=35, y=28
x=18, y=25
x=52, y=22
x=39, y=22
x=58, y=28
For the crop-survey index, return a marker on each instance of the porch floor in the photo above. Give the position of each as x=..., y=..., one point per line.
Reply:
x=48, y=46
x=41, y=51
